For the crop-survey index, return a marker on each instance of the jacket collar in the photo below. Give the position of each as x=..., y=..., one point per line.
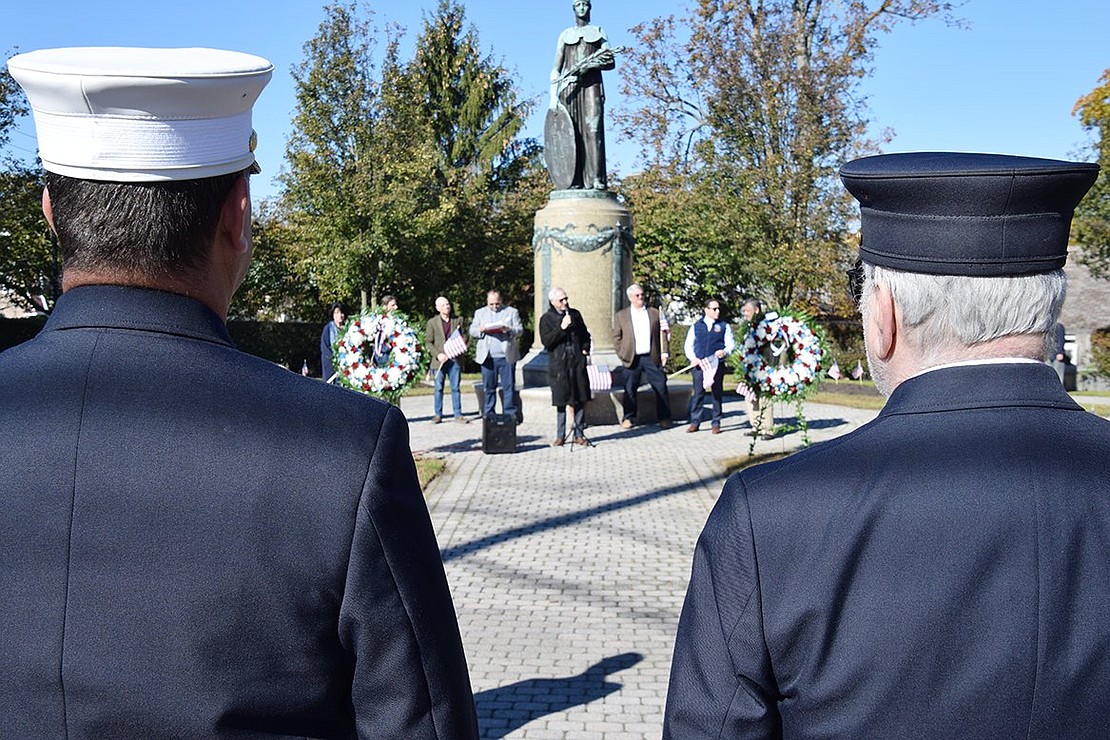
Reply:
x=138, y=309
x=980, y=386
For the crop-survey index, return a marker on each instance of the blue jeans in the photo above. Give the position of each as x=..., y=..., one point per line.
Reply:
x=454, y=373
x=494, y=370
x=697, y=398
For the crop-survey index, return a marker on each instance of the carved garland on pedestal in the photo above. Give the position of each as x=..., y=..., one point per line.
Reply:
x=571, y=238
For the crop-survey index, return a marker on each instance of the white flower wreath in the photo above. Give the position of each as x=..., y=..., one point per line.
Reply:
x=378, y=353
x=791, y=340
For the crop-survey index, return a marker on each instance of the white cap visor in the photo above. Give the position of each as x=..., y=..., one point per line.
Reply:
x=140, y=115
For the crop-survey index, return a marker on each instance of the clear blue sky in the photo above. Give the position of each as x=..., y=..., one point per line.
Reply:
x=1006, y=83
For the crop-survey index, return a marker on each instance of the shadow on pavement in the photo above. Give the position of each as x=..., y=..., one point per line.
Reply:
x=572, y=517
x=508, y=708
x=821, y=423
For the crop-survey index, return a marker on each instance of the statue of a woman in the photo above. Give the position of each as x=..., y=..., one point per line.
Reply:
x=581, y=54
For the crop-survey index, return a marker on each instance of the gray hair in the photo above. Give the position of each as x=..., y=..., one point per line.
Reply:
x=551, y=293
x=630, y=288
x=950, y=314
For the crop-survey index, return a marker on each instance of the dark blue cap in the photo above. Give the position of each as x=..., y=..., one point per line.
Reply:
x=947, y=213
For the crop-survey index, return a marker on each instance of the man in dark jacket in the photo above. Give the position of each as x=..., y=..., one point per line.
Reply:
x=196, y=542
x=567, y=340
x=943, y=571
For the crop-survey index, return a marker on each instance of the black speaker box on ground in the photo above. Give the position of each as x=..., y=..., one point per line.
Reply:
x=498, y=434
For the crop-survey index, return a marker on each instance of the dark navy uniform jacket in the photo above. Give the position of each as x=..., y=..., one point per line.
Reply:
x=941, y=572
x=197, y=543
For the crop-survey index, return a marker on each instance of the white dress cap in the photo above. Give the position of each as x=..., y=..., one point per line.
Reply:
x=142, y=115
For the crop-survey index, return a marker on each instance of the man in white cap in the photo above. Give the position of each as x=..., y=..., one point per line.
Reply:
x=943, y=571
x=195, y=542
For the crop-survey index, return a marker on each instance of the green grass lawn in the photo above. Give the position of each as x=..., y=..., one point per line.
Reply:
x=738, y=463
x=426, y=389
x=428, y=468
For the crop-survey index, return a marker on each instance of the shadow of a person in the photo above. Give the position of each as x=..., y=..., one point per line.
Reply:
x=507, y=708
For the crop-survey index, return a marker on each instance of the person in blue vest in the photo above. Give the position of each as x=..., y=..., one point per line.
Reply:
x=943, y=570
x=196, y=542
x=708, y=343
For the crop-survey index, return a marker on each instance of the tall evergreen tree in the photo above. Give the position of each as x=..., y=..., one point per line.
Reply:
x=355, y=194
x=469, y=106
x=407, y=177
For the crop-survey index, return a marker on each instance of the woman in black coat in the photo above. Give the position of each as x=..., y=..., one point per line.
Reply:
x=567, y=341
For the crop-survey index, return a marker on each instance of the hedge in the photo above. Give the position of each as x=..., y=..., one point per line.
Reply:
x=289, y=343
x=17, y=331
x=1100, y=350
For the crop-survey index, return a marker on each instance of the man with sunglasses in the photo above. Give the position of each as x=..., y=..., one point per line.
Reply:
x=942, y=571
x=708, y=343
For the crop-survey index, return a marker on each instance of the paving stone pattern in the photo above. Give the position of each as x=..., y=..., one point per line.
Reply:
x=568, y=565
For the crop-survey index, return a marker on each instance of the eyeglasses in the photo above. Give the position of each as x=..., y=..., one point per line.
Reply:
x=714, y=308
x=855, y=281
x=564, y=299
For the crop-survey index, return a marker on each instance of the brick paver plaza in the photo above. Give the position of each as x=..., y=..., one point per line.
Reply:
x=568, y=565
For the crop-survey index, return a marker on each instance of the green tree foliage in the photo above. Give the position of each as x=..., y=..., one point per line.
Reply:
x=354, y=201
x=404, y=177
x=1091, y=226
x=26, y=254
x=468, y=99
x=758, y=101
x=488, y=179
x=683, y=248
x=27, y=264
x=13, y=105
x=274, y=288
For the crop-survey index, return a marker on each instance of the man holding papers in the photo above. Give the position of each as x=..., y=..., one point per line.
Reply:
x=496, y=327
x=445, y=342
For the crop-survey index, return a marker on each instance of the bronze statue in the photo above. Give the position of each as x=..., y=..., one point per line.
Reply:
x=574, y=134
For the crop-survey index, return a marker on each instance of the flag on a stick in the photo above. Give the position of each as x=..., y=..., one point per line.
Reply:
x=708, y=367
x=455, y=345
x=857, y=371
x=834, y=371
x=600, y=377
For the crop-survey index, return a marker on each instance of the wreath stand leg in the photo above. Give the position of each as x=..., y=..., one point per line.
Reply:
x=799, y=408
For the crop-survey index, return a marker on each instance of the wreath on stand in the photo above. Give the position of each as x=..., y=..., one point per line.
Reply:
x=379, y=354
x=780, y=360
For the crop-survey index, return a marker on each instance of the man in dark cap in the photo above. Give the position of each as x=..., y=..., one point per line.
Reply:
x=194, y=542
x=943, y=571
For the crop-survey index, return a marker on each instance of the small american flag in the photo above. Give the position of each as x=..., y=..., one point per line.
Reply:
x=600, y=377
x=708, y=367
x=857, y=371
x=834, y=371
x=455, y=345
